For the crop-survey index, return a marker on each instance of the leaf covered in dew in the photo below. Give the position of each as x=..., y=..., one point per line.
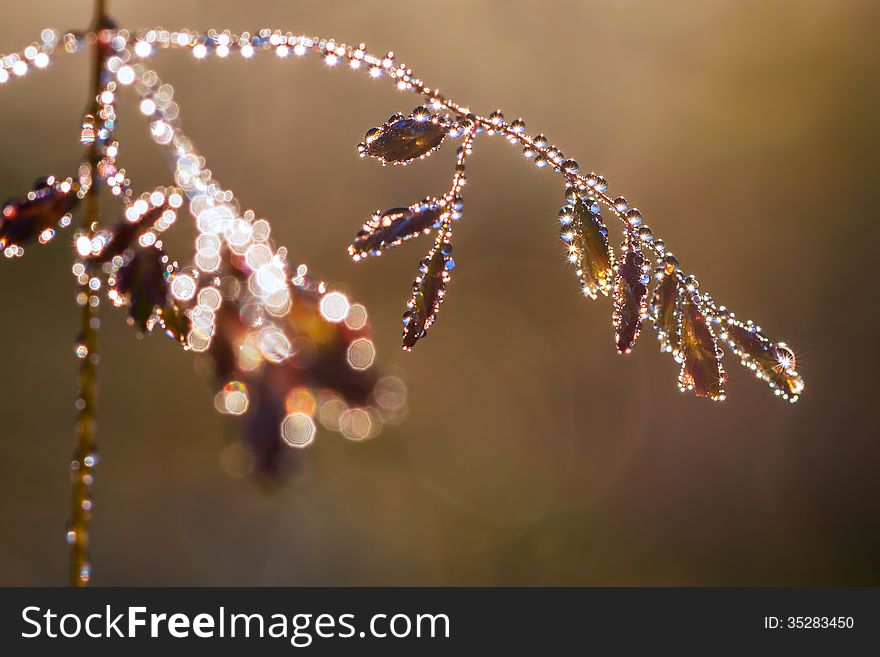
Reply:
x=630, y=294
x=700, y=357
x=174, y=321
x=402, y=139
x=429, y=289
x=773, y=362
x=586, y=238
x=47, y=207
x=666, y=311
x=388, y=229
x=142, y=281
x=322, y=373
x=125, y=233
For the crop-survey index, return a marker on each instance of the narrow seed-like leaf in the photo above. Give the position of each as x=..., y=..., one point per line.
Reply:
x=388, y=229
x=429, y=289
x=588, y=248
x=701, y=359
x=404, y=139
x=773, y=362
x=630, y=294
x=666, y=311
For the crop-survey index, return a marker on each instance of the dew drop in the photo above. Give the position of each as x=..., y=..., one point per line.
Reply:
x=298, y=430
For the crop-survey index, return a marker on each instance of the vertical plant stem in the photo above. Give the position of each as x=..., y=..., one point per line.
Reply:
x=84, y=456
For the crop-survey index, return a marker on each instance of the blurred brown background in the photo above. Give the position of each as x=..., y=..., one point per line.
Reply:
x=745, y=130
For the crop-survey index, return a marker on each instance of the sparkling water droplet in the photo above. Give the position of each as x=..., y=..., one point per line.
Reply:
x=298, y=429
x=87, y=136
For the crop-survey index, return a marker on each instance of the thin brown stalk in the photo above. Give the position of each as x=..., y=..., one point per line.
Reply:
x=84, y=457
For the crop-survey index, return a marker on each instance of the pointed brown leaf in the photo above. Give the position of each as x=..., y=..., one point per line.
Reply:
x=388, y=229
x=772, y=362
x=701, y=359
x=630, y=294
x=429, y=289
x=404, y=139
x=588, y=248
x=666, y=311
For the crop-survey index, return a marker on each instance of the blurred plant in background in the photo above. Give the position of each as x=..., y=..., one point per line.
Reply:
x=289, y=353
